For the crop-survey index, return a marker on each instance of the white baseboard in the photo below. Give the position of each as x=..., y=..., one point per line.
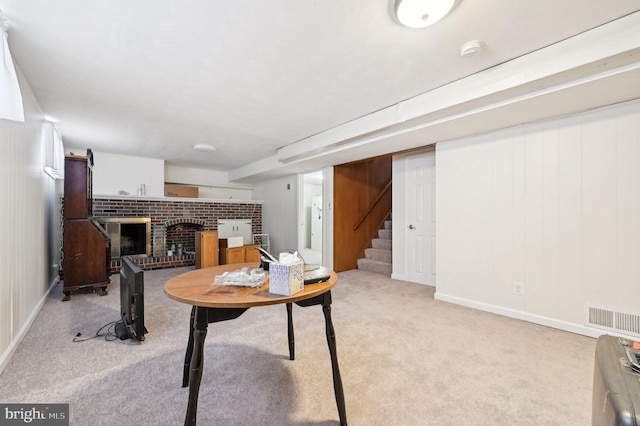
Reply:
x=400, y=277
x=521, y=315
x=6, y=356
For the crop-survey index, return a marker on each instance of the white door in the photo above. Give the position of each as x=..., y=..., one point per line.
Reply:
x=421, y=219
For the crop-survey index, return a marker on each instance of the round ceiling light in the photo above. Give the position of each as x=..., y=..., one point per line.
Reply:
x=203, y=147
x=422, y=13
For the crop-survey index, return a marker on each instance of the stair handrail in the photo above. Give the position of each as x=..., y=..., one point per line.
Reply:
x=381, y=193
x=361, y=253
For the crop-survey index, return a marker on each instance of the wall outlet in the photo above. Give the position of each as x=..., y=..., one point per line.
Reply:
x=518, y=288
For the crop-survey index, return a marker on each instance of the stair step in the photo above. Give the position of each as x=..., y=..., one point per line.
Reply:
x=380, y=243
x=387, y=224
x=378, y=254
x=385, y=234
x=375, y=266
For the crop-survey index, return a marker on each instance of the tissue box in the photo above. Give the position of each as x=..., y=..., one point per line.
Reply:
x=286, y=280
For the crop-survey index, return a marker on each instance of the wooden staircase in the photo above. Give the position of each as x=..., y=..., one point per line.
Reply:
x=378, y=258
x=362, y=202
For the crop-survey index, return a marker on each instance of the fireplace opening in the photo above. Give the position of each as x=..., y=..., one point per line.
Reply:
x=133, y=239
x=130, y=236
x=183, y=235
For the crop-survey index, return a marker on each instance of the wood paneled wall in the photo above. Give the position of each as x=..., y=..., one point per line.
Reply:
x=553, y=207
x=356, y=186
x=30, y=224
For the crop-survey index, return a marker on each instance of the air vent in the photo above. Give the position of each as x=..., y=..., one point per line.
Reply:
x=628, y=322
x=612, y=320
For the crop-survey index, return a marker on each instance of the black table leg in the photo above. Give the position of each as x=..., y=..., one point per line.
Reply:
x=200, y=319
x=331, y=341
x=187, y=357
x=292, y=349
x=195, y=375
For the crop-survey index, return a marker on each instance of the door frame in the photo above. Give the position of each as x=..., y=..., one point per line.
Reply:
x=327, y=216
x=399, y=208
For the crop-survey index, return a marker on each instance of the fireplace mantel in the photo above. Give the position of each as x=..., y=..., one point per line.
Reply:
x=176, y=199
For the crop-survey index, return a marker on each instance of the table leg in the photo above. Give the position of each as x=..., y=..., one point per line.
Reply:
x=197, y=358
x=331, y=341
x=200, y=319
x=292, y=349
x=187, y=357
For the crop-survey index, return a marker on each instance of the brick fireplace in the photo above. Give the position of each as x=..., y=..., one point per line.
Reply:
x=129, y=236
x=175, y=222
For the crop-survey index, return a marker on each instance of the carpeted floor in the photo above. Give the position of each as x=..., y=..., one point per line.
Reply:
x=405, y=359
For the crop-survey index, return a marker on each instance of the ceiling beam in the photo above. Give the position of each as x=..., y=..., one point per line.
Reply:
x=551, y=79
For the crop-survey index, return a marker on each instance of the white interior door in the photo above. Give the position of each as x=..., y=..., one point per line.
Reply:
x=421, y=219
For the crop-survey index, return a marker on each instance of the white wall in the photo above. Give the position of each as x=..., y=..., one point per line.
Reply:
x=555, y=206
x=210, y=183
x=29, y=229
x=279, y=212
x=193, y=176
x=113, y=173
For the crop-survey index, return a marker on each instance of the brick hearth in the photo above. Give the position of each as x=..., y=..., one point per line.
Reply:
x=181, y=219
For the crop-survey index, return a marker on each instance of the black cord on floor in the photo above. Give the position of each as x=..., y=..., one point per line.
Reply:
x=108, y=335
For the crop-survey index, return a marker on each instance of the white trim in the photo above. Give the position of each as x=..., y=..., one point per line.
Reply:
x=327, y=217
x=177, y=199
x=300, y=214
x=524, y=316
x=6, y=356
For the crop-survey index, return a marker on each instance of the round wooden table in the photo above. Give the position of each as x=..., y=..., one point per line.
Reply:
x=195, y=288
x=215, y=303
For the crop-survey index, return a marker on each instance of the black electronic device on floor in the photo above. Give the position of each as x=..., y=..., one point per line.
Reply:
x=131, y=325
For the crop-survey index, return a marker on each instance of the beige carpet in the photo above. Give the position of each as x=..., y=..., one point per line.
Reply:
x=405, y=359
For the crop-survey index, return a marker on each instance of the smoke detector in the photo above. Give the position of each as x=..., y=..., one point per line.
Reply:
x=471, y=48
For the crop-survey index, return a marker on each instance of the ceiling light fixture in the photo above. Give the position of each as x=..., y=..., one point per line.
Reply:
x=203, y=147
x=422, y=13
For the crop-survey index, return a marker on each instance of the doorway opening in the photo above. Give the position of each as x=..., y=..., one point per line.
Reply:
x=311, y=218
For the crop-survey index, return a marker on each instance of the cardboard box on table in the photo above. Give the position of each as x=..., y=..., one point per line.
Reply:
x=286, y=280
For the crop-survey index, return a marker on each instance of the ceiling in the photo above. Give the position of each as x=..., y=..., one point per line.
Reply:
x=153, y=78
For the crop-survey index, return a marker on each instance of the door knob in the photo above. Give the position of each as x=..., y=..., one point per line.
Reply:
x=412, y=227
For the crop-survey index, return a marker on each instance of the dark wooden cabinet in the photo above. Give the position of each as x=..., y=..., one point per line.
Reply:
x=87, y=256
x=78, y=187
x=86, y=245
